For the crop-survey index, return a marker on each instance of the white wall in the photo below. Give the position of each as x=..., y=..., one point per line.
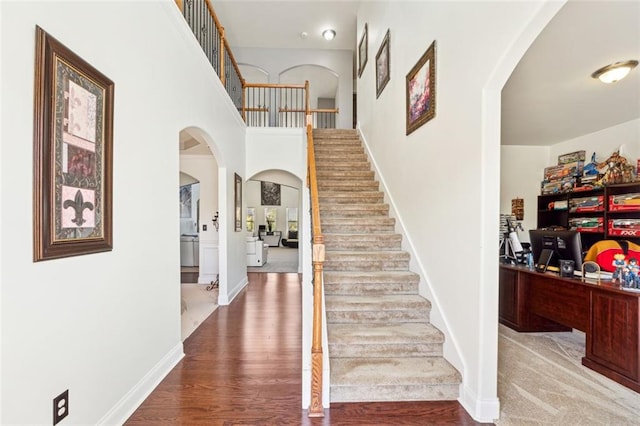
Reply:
x=523, y=166
x=522, y=169
x=443, y=179
x=275, y=61
x=105, y=326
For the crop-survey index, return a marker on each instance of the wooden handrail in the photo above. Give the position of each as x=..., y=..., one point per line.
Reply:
x=336, y=110
x=180, y=5
x=315, y=407
x=275, y=85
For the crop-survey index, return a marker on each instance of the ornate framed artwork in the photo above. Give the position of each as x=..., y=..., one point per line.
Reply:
x=382, y=65
x=421, y=90
x=362, y=50
x=237, y=197
x=73, y=140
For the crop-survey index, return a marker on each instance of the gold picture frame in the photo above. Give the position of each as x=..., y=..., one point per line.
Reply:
x=362, y=50
x=421, y=90
x=383, y=70
x=73, y=152
x=237, y=196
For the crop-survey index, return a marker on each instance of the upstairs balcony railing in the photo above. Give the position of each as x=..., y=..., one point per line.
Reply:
x=260, y=105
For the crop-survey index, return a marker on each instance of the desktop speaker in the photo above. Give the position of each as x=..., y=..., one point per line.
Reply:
x=566, y=268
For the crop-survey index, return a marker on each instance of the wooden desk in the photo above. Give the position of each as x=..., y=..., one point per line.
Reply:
x=609, y=316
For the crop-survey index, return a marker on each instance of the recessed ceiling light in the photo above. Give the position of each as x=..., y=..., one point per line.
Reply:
x=614, y=72
x=329, y=34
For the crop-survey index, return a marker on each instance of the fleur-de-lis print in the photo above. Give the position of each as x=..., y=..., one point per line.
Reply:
x=78, y=205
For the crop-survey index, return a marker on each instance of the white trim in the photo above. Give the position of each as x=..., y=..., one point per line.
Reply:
x=225, y=299
x=126, y=406
x=482, y=410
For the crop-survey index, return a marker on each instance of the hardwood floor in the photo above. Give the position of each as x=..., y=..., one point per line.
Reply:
x=243, y=367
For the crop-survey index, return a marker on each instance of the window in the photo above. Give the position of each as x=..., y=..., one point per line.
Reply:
x=292, y=219
x=271, y=216
x=251, y=219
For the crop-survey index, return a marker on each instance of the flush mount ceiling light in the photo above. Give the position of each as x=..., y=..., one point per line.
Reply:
x=329, y=34
x=614, y=72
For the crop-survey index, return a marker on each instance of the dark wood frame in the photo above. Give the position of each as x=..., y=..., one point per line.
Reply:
x=417, y=119
x=68, y=165
x=363, y=47
x=270, y=194
x=383, y=63
x=237, y=207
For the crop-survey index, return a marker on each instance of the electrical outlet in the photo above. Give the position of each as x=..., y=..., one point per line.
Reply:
x=204, y=227
x=60, y=407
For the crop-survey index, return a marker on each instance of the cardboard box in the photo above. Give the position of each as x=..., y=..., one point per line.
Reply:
x=624, y=227
x=563, y=171
x=587, y=204
x=558, y=186
x=587, y=224
x=624, y=202
x=571, y=157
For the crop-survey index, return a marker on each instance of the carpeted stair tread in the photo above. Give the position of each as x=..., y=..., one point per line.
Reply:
x=350, y=241
x=343, y=185
x=353, y=175
x=406, y=371
x=341, y=197
x=370, y=283
x=384, y=333
x=354, y=210
x=379, y=302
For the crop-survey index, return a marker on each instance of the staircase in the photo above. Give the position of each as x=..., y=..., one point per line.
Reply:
x=382, y=346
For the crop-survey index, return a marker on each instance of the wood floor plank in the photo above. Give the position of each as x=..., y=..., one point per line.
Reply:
x=242, y=366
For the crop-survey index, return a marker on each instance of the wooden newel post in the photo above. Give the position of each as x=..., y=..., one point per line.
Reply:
x=315, y=408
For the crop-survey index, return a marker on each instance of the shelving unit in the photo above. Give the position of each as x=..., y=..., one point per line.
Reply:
x=549, y=215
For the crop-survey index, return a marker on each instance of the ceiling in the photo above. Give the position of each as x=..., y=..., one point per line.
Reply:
x=549, y=98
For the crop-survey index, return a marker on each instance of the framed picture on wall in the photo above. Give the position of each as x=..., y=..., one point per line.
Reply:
x=237, y=203
x=362, y=50
x=73, y=139
x=382, y=65
x=269, y=194
x=421, y=90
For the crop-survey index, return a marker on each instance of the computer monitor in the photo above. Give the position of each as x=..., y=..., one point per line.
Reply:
x=565, y=245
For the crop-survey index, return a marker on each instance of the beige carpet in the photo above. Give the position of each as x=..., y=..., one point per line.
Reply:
x=197, y=304
x=279, y=259
x=541, y=381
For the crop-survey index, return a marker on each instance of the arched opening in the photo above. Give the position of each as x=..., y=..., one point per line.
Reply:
x=273, y=216
x=199, y=232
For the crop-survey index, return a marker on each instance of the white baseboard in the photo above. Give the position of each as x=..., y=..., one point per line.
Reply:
x=134, y=398
x=225, y=299
x=482, y=410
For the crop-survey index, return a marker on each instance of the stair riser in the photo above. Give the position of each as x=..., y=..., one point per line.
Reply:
x=355, y=175
x=355, y=266
x=345, y=198
x=348, y=186
x=361, y=245
x=353, y=148
x=370, y=289
x=353, y=229
x=377, y=317
x=443, y=392
x=339, y=166
x=375, y=210
x=385, y=350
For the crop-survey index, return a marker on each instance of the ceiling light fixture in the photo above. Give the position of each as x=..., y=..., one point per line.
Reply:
x=614, y=72
x=329, y=34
